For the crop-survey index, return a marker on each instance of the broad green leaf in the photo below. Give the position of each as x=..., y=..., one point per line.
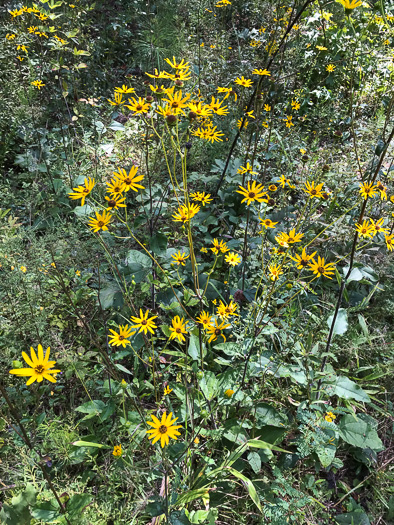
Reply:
x=326, y=454
x=18, y=511
x=355, y=274
x=229, y=348
x=341, y=323
x=194, y=347
x=178, y=517
x=84, y=211
x=117, y=126
x=209, y=385
x=268, y=415
x=199, y=516
x=155, y=506
x=254, y=461
x=46, y=511
x=158, y=244
x=347, y=389
x=139, y=263
x=77, y=503
x=111, y=296
x=356, y=517
x=359, y=433
x=92, y=408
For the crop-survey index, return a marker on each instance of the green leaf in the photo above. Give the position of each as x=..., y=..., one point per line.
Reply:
x=199, y=516
x=191, y=495
x=18, y=511
x=123, y=369
x=364, y=326
x=341, y=323
x=139, y=263
x=249, y=485
x=194, y=347
x=347, y=389
x=117, y=126
x=89, y=444
x=77, y=503
x=155, y=506
x=326, y=454
x=178, y=517
x=46, y=511
x=91, y=408
x=158, y=243
x=209, y=385
x=254, y=461
x=356, y=517
x=257, y=443
x=268, y=415
x=229, y=348
x=84, y=211
x=355, y=274
x=111, y=296
x=359, y=433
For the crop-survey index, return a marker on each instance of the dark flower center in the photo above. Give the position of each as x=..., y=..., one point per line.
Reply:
x=128, y=181
x=163, y=429
x=85, y=190
x=313, y=192
x=139, y=107
x=304, y=262
x=121, y=337
x=144, y=322
x=218, y=331
x=174, y=105
x=178, y=331
x=320, y=269
x=252, y=195
x=39, y=369
x=100, y=223
x=112, y=203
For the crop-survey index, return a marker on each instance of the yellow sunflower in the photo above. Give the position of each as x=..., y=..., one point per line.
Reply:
x=41, y=367
x=178, y=328
x=163, y=429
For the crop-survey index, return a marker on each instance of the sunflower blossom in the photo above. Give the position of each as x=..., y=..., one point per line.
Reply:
x=365, y=229
x=143, y=323
x=180, y=258
x=368, y=189
x=321, y=268
x=40, y=366
x=253, y=192
x=130, y=179
x=164, y=429
x=121, y=338
x=100, y=222
x=216, y=330
x=232, y=258
x=178, y=328
x=81, y=192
